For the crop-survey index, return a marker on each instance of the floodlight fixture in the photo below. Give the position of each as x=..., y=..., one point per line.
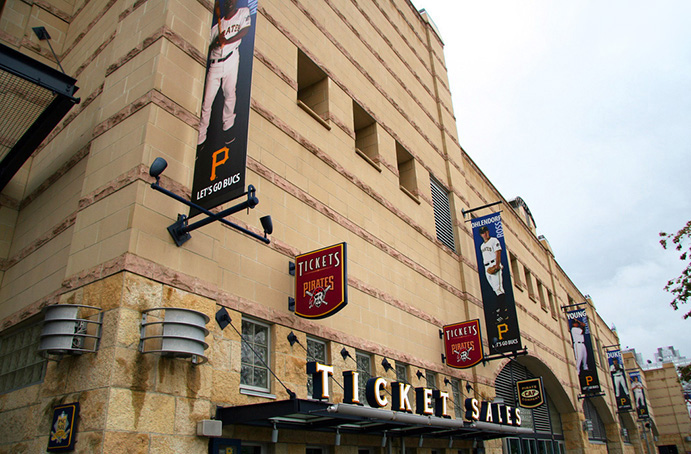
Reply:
x=180, y=229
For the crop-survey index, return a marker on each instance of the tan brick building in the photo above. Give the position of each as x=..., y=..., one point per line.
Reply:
x=352, y=138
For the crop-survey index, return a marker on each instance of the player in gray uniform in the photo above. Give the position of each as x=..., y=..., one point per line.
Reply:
x=224, y=58
x=491, y=258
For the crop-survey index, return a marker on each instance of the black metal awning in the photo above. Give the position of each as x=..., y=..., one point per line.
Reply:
x=314, y=415
x=34, y=98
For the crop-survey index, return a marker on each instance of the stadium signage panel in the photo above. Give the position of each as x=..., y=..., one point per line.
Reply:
x=429, y=402
x=321, y=282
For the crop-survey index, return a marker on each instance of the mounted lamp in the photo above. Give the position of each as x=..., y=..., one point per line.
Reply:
x=180, y=230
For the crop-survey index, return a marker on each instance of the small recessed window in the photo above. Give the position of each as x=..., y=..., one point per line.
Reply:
x=366, y=141
x=313, y=89
x=407, y=178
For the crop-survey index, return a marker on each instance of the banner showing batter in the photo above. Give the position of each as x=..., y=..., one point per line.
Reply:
x=621, y=388
x=583, y=350
x=639, y=394
x=219, y=170
x=495, y=283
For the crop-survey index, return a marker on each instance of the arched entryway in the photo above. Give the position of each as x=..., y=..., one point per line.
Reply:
x=546, y=419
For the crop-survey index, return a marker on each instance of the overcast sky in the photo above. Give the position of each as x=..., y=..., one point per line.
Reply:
x=584, y=110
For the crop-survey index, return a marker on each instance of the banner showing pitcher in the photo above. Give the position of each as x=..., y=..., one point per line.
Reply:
x=501, y=322
x=621, y=388
x=219, y=169
x=583, y=350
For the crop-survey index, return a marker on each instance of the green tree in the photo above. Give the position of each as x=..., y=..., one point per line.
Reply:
x=680, y=287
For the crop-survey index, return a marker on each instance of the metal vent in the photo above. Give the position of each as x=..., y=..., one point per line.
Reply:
x=174, y=332
x=442, y=214
x=70, y=329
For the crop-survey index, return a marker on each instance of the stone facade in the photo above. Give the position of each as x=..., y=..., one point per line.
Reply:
x=80, y=225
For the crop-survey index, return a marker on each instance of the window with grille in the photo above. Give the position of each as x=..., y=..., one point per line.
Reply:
x=401, y=372
x=597, y=433
x=254, y=373
x=442, y=214
x=364, y=368
x=20, y=363
x=316, y=351
x=431, y=379
x=457, y=398
x=545, y=418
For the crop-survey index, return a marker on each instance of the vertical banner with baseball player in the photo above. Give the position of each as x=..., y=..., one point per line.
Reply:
x=621, y=388
x=219, y=169
x=463, y=344
x=583, y=350
x=639, y=394
x=321, y=282
x=501, y=322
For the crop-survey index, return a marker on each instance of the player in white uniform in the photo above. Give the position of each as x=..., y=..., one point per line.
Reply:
x=637, y=388
x=224, y=58
x=617, y=371
x=491, y=258
x=578, y=338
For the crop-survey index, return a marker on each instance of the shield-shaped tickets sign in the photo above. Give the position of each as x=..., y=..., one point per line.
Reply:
x=321, y=282
x=463, y=344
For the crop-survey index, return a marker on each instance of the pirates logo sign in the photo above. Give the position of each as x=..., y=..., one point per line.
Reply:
x=463, y=344
x=62, y=433
x=321, y=283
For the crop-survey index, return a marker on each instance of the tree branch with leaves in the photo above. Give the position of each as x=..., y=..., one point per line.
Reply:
x=680, y=287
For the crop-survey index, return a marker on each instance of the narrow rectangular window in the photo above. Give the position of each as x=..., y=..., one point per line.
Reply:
x=431, y=379
x=541, y=295
x=366, y=139
x=364, y=367
x=515, y=270
x=457, y=397
x=254, y=373
x=552, y=308
x=407, y=178
x=316, y=351
x=529, y=283
x=443, y=220
x=401, y=372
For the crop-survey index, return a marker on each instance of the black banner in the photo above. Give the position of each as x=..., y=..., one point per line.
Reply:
x=583, y=350
x=639, y=394
x=621, y=387
x=501, y=322
x=219, y=170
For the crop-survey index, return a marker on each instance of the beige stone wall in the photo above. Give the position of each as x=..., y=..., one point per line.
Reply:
x=665, y=394
x=80, y=223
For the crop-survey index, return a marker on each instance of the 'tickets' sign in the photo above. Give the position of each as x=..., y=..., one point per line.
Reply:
x=530, y=392
x=321, y=282
x=463, y=344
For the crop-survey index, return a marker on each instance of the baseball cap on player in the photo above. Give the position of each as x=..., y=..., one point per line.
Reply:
x=483, y=229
